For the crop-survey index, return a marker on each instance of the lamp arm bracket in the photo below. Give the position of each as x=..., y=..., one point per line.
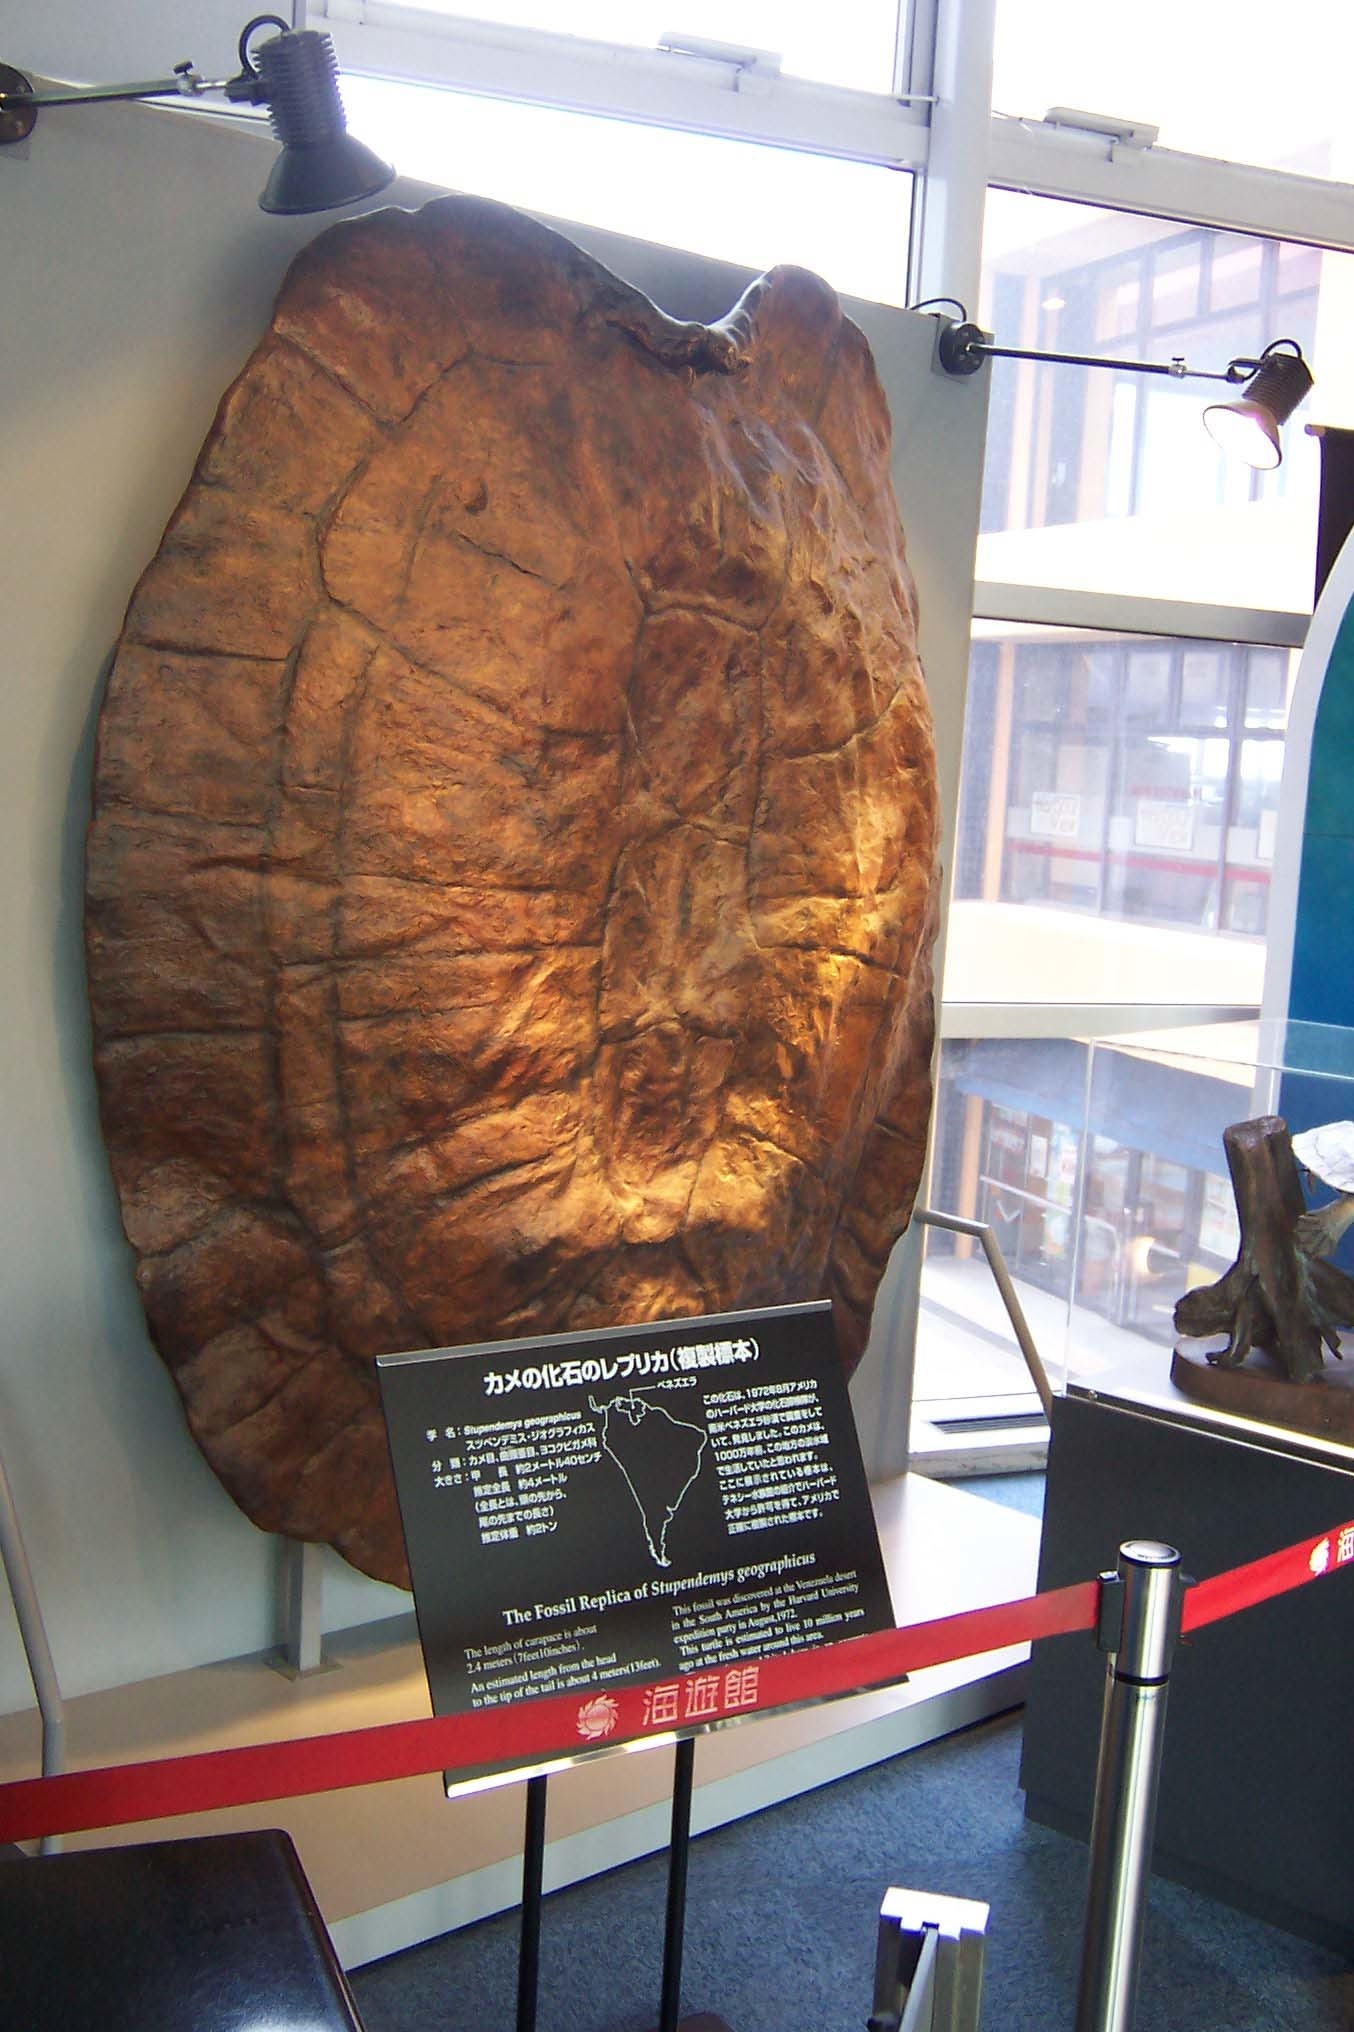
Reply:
x=185, y=83
x=1177, y=369
x=320, y=165
x=963, y=347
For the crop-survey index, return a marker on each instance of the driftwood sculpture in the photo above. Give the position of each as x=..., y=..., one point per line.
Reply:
x=1278, y=1296
x=511, y=880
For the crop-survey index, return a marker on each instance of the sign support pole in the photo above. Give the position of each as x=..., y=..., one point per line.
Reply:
x=533, y=1870
x=674, y=1931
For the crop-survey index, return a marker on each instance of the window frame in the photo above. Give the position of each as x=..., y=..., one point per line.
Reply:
x=664, y=88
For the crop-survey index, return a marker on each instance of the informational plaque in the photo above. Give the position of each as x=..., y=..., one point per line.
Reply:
x=594, y=1510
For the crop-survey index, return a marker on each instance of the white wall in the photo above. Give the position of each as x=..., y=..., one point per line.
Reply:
x=138, y=275
x=98, y=42
x=127, y=313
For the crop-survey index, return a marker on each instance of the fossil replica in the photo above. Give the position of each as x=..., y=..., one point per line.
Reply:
x=511, y=879
x=1327, y=1155
x=1280, y=1298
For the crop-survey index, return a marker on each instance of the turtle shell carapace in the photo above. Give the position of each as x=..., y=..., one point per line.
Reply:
x=511, y=879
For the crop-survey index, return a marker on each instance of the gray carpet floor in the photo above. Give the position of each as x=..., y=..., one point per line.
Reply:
x=782, y=1914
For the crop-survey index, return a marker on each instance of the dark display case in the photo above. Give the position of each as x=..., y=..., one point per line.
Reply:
x=1257, y=1789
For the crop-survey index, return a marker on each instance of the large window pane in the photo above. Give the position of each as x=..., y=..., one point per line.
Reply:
x=1199, y=71
x=1005, y=1141
x=1101, y=1169
x=1103, y=1179
x=851, y=46
x=1116, y=818
x=733, y=200
x=1108, y=482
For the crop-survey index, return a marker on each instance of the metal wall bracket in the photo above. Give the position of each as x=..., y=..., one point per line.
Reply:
x=300, y=1611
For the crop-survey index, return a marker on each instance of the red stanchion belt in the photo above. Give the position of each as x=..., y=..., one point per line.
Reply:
x=530, y=1731
x=1243, y=1586
x=524, y=1732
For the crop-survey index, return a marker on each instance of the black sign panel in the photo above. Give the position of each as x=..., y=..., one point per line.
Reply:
x=591, y=1510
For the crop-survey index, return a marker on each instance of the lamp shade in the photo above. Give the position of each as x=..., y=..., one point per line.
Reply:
x=321, y=165
x=1249, y=428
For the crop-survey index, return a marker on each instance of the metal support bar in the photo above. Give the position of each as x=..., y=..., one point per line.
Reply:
x=961, y=349
x=1132, y=1726
x=33, y=1634
x=982, y=1231
x=533, y=1874
x=184, y=84
x=919, y=2014
x=1176, y=368
x=683, y=1773
x=674, y=1926
x=301, y=1589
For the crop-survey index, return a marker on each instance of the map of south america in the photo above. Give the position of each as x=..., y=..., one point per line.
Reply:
x=659, y=1456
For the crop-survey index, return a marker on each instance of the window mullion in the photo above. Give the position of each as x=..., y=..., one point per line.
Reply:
x=1126, y=614
x=947, y=233
x=915, y=49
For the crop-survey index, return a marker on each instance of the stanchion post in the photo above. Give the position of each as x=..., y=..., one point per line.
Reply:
x=1140, y=1621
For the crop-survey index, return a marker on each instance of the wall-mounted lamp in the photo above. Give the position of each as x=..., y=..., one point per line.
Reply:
x=1274, y=384
x=294, y=74
x=1250, y=427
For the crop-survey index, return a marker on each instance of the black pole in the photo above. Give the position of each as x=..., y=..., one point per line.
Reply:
x=533, y=1868
x=1177, y=369
x=684, y=1764
x=1335, y=504
x=962, y=348
x=180, y=86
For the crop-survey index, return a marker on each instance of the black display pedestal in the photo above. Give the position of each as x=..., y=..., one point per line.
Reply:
x=1257, y=1788
x=204, y=1935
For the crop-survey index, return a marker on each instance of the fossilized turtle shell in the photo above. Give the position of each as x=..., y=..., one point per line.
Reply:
x=511, y=877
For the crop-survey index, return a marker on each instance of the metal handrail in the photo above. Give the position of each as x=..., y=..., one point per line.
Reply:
x=982, y=1231
x=33, y=1633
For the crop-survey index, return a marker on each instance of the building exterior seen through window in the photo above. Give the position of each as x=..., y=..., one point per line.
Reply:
x=1197, y=72
x=1115, y=445
x=1108, y=482
x=1135, y=778
x=1119, y=795
x=1153, y=1214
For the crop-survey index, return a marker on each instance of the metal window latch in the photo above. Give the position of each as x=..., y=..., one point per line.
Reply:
x=753, y=69
x=1132, y=133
